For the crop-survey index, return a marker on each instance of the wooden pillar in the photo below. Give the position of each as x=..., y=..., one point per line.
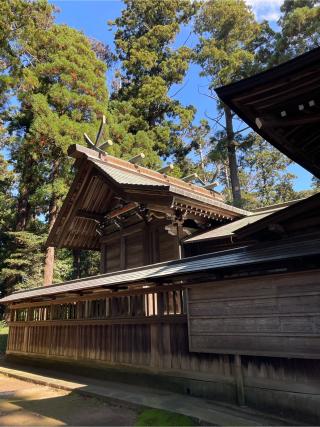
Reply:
x=76, y=264
x=103, y=258
x=179, y=238
x=239, y=380
x=123, y=257
x=155, y=356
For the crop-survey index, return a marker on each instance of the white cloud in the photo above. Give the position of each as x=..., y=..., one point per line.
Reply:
x=266, y=9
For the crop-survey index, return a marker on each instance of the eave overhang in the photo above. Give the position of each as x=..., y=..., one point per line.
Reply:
x=100, y=178
x=184, y=270
x=283, y=106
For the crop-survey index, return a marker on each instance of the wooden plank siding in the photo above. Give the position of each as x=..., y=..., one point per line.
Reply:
x=144, y=331
x=137, y=245
x=267, y=316
x=137, y=329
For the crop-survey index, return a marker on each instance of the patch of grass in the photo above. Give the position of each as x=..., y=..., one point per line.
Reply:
x=3, y=338
x=158, y=417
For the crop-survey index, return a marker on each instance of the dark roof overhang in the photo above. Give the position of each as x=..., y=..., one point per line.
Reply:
x=263, y=254
x=302, y=208
x=283, y=106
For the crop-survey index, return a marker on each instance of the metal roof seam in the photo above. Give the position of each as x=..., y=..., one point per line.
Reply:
x=231, y=258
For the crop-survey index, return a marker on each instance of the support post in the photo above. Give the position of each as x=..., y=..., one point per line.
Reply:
x=239, y=380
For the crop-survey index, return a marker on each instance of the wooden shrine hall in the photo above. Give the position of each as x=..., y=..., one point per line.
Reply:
x=194, y=295
x=134, y=215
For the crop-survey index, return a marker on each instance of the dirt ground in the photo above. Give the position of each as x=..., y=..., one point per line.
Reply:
x=27, y=404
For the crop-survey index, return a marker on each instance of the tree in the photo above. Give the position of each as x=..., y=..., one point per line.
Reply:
x=264, y=173
x=7, y=204
x=7, y=201
x=22, y=267
x=149, y=118
x=62, y=95
x=20, y=20
x=300, y=28
x=227, y=31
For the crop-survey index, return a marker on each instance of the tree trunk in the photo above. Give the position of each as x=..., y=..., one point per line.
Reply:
x=26, y=186
x=53, y=211
x=232, y=158
x=48, y=266
x=23, y=210
x=49, y=259
x=76, y=264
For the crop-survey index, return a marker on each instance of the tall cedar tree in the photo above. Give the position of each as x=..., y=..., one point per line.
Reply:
x=20, y=21
x=227, y=30
x=300, y=28
x=62, y=94
x=153, y=120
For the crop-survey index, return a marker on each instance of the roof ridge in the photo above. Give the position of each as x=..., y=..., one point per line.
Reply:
x=151, y=174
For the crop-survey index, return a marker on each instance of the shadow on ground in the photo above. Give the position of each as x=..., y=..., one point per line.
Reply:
x=30, y=404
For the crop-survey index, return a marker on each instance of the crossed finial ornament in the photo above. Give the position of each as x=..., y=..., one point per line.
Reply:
x=97, y=146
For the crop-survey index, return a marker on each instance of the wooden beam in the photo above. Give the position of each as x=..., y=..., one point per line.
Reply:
x=307, y=119
x=126, y=208
x=77, y=151
x=107, y=292
x=172, y=318
x=89, y=215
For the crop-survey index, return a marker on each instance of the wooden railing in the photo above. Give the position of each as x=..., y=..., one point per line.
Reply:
x=146, y=303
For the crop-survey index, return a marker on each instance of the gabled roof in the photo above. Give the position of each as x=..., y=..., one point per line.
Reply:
x=226, y=230
x=283, y=106
x=99, y=178
x=230, y=229
x=234, y=258
x=302, y=209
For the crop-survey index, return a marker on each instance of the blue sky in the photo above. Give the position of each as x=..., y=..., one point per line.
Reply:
x=91, y=17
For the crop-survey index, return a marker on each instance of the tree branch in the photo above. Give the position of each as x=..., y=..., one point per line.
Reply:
x=209, y=96
x=242, y=130
x=179, y=90
x=215, y=120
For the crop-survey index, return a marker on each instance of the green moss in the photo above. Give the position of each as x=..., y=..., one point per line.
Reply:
x=158, y=417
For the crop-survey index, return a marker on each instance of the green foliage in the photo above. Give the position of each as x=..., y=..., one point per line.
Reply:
x=62, y=95
x=227, y=30
x=20, y=21
x=23, y=266
x=315, y=184
x=72, y=265
x=158, y=417
x=226, y=51
x=60, y=85
x=7, y=200
x=300, y=27
x=152, y=120
x=265, y=178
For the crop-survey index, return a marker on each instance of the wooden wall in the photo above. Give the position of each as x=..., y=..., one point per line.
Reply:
x=147, y=329
x=138, y=245
x=269, y=316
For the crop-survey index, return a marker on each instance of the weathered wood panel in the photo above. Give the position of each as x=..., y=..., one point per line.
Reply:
x=168, y=246
x=138, y=245
x=156, y=345
x=134, y=250
x=271, y=315
x=112, y=256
